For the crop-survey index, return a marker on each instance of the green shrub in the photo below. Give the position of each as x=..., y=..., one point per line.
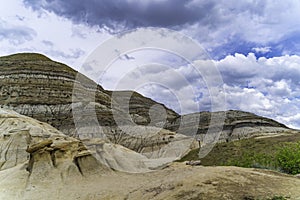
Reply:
x=273, y=153
x=288, y=158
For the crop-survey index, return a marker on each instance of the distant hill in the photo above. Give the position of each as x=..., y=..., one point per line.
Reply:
x=36, y=86
x=236, y=124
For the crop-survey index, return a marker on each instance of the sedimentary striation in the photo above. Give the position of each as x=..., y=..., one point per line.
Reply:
x=235, y=125
x=51, y=92
x=35, y=86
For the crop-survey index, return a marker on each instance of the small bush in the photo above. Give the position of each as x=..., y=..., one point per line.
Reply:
x=288, y=158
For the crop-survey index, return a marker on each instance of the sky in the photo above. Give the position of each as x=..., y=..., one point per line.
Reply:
x=255, y=45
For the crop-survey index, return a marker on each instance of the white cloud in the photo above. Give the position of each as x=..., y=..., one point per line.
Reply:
x=235, y=24
x=291, y=121
x=262, y=49
x=225, y=24
x=280, y=88
x=268, y=87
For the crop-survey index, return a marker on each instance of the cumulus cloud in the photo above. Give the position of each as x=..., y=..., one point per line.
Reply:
x=269, y=87
x=266, y=86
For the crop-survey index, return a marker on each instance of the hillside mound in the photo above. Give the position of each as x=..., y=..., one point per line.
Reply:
x=236, y=125
x=35, y=86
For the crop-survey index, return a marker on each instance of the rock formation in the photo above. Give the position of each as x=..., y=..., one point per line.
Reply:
x=143, y=110
x=236, y=125
x=35, y=86
x=41, y=146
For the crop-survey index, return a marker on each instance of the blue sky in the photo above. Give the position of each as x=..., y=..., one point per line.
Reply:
x=254, y=44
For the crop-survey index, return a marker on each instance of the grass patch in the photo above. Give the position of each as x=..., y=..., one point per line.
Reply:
x=268, y=153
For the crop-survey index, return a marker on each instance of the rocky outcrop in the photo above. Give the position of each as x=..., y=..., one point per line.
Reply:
x=143, y=110
x=35, y=86
x=235, y=125
x=37, y=161
x=51, y=92
x=43, y=149
x=38, y=87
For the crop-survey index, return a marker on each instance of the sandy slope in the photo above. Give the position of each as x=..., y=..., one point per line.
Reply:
x=177, y=181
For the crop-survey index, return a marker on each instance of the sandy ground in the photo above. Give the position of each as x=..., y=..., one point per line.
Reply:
x=178, y=181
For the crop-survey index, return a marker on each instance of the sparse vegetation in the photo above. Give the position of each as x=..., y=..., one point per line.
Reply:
x=288, y=158
x=281, y=153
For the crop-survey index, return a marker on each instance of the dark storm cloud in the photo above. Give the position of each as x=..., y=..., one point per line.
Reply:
x=127, y=13
x=223, y=26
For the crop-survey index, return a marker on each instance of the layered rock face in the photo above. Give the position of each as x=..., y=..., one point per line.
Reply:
x=35, y=86
x=38, y=87
x=37, y=161
x=235, y=125
x=143, y=110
